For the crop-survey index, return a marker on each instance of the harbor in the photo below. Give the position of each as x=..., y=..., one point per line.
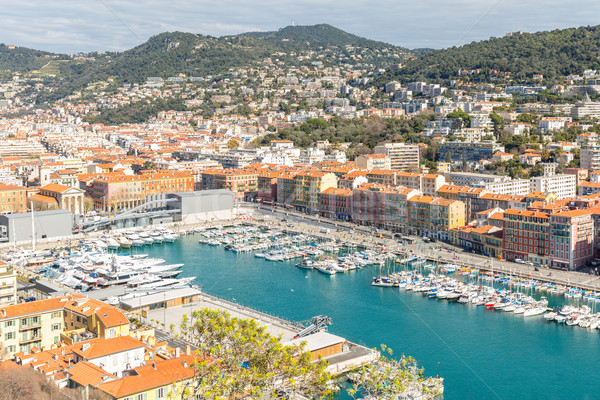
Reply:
x=272, y=266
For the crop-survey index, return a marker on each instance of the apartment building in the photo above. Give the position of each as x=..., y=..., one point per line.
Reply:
x=242, y=182
x=581, y=174
x=403, y=157
x=373, y=161
x=266, y=185
x=336, y=203
x=462, y=151
x=571, y=238
x=590, y=158
x=562, y=185
x=589, y=188
x=466, y=194
x=122, y=192
x=368, y=205
x=8, y=286
x=383, y=177
x=382, y=206
x=45, y=323
x=474, y=179
x=286, y=187
x=13, y=199
x=426, y=183
x=434, y=217
x=308, y=186
x=526, y=236
x=493, y=200
x=513, y=187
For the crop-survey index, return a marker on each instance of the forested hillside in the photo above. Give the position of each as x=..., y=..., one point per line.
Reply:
x=554, y=54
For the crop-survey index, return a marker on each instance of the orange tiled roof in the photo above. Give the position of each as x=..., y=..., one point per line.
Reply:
x=150, y=376
x=100, y=348
x=55, y=187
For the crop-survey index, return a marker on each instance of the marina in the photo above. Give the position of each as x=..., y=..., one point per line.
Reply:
x=473, y=345
x=432, y=311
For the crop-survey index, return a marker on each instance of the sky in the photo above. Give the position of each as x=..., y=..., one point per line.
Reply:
x=72, y=26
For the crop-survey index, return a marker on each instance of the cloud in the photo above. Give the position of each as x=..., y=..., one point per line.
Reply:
x=73, y=26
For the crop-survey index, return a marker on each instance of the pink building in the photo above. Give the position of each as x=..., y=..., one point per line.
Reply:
x=571, y=238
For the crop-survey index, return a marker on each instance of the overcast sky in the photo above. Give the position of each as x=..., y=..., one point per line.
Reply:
x=72, y=26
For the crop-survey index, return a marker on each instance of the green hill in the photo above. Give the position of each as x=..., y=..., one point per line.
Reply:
x=173, y=53
x=322, y=35
x=554, y=54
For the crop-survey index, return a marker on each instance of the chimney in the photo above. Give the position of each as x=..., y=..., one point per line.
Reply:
x=177, y=352
x=188, y=350
x=3, y=311
x=154, y=365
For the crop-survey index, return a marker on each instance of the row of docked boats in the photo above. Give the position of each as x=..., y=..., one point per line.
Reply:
x=132, y=239
x=88, y=268
x=327, y=257
x=344, y=263
x=443, y=287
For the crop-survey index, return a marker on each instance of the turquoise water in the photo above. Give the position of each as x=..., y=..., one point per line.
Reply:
x=482, y=354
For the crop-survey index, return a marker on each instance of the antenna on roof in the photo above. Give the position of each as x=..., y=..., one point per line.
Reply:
x=293, y=22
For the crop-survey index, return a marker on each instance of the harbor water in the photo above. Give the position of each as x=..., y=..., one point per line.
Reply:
x=482, y=354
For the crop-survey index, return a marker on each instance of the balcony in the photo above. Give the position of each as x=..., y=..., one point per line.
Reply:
x=28, y=327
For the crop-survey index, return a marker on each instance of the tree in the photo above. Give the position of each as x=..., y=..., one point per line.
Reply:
x=497, y=120
x=389, y=379
x=461, y=118
x=241, y=359
x=232, y=144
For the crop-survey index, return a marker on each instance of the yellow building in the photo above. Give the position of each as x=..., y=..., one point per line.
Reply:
x=434, y=217
x=42, y=324
x=12, y=199
x=308, y=186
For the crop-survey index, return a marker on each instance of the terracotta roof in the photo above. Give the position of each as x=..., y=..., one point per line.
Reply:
x=526, y=213
x=337, y=191
x=4, y=186
x=100, y=348
x=55, y=187
x=42, y=198
x=153, y=375
x=571, y=213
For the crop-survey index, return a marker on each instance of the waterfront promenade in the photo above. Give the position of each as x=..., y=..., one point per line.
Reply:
x=436, y=252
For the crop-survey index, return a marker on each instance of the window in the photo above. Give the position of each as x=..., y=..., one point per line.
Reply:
x=9, y=335
x=160, y=393
x=55, y=327
x=9, y=323
x=11, y=349
x=56, y=339
x=141, y=396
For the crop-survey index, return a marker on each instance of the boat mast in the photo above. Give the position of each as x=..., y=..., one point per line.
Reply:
x=32, y=228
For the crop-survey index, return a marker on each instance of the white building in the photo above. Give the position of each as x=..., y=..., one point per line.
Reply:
x=373, y=161
x=563, y=185
x=112, y=355
x=590, y=158
x=514, y=187
x=402, y=156
x=473, y=179
x=8, y=285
